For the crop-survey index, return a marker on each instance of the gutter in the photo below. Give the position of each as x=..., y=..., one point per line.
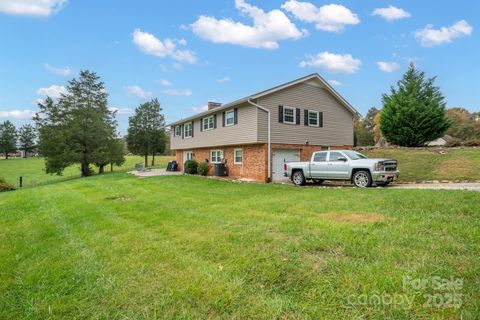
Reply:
x=269, y=151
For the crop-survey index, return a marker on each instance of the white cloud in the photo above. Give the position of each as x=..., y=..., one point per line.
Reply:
x=121, y=111
x=54, y=92
x=182, y=42
x=335, y=63
x=267, y=29
x=335, y=83
x=391, y=13
x=173, y=92
x=330, y=17
x=223, y=80
x=388, y=66
x=149, y=44
x=138, y=92
x=18, y=114
x=67, y=71
x=199, y=109
x=35, y=8
x=164, y=83
x=429, y=37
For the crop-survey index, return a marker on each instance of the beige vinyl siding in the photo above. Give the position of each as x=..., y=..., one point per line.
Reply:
x=244, y=132
x=337, y=120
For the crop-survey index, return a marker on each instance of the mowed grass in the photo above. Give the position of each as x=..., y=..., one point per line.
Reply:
x=33, y=169
x=430, y=164
x=120, y=247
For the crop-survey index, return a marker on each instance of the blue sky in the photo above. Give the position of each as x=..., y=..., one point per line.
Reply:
x=189, y=52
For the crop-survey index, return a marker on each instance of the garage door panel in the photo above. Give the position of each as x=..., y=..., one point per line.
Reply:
x=279, y=157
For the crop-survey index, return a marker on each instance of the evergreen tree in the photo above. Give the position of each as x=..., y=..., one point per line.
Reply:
x=8, y=138
x=414, y=112
x=78, y=128
x=146, y=131
x=26, y=138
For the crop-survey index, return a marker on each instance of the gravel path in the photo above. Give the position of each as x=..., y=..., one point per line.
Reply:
x=154, y=172
x=439, y=186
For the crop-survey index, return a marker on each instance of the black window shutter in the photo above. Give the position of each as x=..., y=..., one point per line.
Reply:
x=235, y=116
x=201, y=124
x=306, y=117
x=214, y=121
x=280, y=114
x=298, y=116
x=223, y=119
x=320, y=119
x=193, y=125
x=183, y=134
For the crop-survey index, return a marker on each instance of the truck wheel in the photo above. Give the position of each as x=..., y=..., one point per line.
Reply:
x=298, y=178
x=318, y=181
x=362, y=179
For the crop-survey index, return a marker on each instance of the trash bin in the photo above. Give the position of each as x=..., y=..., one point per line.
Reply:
x=220, y=170
x=139, y=166
x=172, y=166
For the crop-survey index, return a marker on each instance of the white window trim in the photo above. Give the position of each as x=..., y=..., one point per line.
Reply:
x=175, y=134
x=293, y=110
x=185, y=130
x=226, y=123
x=208, y=123
x=318, y=118
x=235, y=155
x=221, y=155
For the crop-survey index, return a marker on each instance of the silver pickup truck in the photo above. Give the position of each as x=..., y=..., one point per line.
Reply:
x=343, y=165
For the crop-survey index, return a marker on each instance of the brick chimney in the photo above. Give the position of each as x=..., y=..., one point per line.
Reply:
x=213, y=105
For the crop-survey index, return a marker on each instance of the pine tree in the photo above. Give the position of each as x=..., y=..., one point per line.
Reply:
x=8, y=138
x=78, y=128
x=414, y=112
x=26, y=138
x=146, y=131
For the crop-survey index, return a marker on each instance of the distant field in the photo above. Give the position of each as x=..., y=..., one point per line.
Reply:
x=429, y=164
x=182, y=247
x=33, y=169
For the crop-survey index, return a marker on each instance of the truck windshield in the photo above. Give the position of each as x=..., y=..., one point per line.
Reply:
x=353, y=155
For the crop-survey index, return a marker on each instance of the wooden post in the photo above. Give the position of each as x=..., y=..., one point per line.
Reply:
x=21, y=182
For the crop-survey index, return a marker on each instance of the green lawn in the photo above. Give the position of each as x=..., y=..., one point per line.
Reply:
x=429, y=164
x=33, y=169
x=120, y=247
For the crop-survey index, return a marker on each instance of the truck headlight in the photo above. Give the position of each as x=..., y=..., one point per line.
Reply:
x=378, y=166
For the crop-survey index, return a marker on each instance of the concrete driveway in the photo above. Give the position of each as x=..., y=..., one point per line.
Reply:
x=439, y=186
x=154, y=173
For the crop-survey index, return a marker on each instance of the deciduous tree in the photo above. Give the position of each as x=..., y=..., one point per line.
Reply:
x=26, y=138
x=8, y=138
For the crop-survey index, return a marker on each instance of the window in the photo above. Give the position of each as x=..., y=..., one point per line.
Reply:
x=288, y=115
x=354, y=155
x=208, y=123
x=178, y=131
x=334, y=156
x=229, y=118
x=325, y=148
x=313, y=118
x=320, y=157
x=216, y=156
x=237, y=156
x=188, y=131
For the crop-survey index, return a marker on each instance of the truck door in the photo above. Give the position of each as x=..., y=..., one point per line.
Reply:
x=338, y=166
x=318, y=166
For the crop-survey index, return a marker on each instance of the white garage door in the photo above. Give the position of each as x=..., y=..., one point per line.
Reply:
x=279, y=157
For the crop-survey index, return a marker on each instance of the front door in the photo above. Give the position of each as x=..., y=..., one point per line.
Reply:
x=319, y=166
x=337, y=169
x=187, y=155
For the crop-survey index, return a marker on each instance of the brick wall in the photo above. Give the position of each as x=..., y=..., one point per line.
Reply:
x=254, y=166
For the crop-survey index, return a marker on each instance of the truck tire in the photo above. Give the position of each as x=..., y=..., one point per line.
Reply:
x=318, y=181
x=298, y=178
x=362, y=179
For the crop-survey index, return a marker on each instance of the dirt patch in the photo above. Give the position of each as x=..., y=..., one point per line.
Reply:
x=118, y=198
x=353, y=218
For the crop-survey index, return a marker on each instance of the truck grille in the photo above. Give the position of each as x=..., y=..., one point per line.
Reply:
x=389, y=165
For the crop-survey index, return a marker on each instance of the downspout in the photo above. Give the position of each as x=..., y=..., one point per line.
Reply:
x=269, y=166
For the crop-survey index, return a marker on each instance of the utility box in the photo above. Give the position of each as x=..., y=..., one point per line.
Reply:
x=220, y=170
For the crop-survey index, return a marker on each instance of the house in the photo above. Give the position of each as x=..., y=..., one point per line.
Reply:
x=257, y=134
x=442, y=141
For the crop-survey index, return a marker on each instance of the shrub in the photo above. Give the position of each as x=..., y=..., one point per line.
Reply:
x=191, y=166
x=472, y=143
x=454, y=143
x=203, y=168
x=5, y=186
